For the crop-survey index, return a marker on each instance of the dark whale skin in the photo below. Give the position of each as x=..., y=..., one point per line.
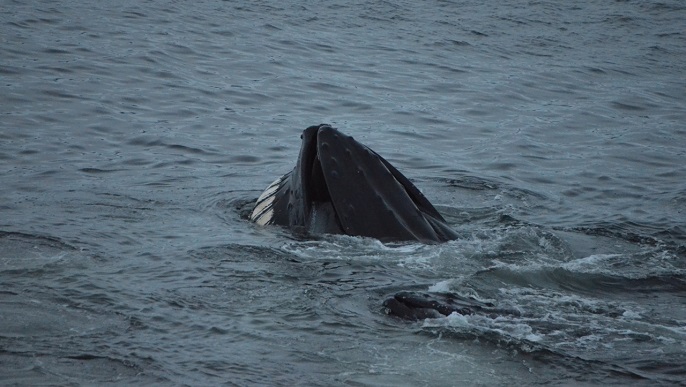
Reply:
x=340, y=186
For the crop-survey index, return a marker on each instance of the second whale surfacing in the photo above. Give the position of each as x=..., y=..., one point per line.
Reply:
x=340, y=186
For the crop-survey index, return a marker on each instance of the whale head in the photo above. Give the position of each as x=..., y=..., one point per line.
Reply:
x=340, y=186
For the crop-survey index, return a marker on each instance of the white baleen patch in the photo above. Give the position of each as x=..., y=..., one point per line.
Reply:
x=265, y=218
x=263, y=213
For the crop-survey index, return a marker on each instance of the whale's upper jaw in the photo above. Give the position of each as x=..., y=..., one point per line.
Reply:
x=341, y=186
x=310, y=189
x=309, y=167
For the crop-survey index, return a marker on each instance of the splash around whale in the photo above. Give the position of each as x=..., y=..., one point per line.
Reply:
x=340, y=186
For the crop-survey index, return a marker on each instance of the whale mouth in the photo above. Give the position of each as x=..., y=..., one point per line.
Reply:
x=314, y=181
x=340, y=186
x=320, y=211
x=300, y=198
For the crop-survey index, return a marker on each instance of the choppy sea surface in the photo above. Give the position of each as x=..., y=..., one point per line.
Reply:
x=134, y=138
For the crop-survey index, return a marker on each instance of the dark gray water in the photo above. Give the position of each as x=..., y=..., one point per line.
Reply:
x=134, y=137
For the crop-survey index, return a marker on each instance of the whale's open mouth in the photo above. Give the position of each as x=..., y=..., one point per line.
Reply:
x=341, y=186
x=320, y=212
x=314, y=181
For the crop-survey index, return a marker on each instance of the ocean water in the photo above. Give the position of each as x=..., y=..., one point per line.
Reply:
x=134, y=138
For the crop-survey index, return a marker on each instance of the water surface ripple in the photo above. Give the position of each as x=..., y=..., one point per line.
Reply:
x=134, y=138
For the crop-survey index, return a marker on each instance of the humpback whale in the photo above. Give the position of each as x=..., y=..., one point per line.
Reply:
x=420, y=306
x=340, y=186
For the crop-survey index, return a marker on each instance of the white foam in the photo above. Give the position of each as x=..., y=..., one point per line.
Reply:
x=631, y=315
x=590, y=263
x=441, y=287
